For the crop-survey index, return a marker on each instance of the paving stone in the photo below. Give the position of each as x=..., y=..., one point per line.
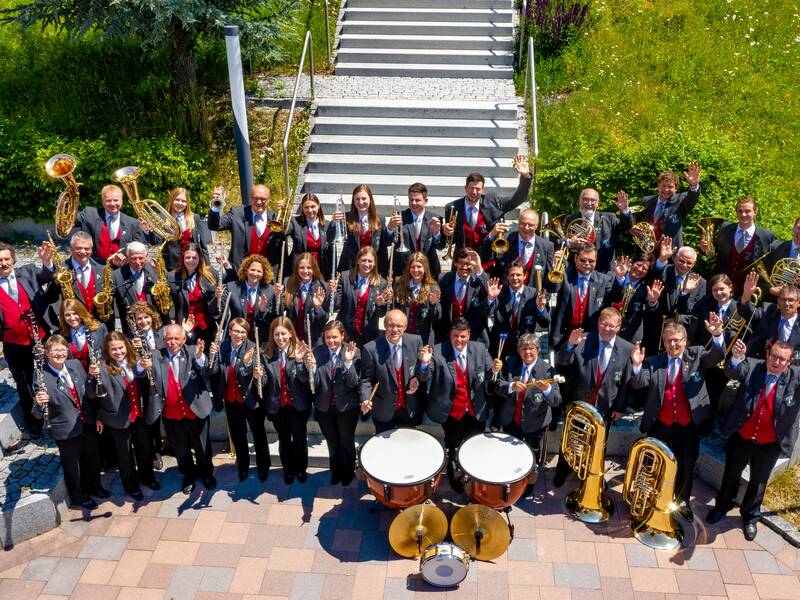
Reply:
x=522, y=549
x=576, y=576
x=103, y=548
x=65, y=576
x=307, y=586
x=40, y=569
x=185, y=583
x=216, y=579
x=640, y=556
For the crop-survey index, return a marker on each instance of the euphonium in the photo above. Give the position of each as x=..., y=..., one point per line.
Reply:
x=556, y=227
x=583, y=445
x=152, y=215
x=62, y=166
x=500, y=245
x=708, y=229
x=648, y=490
x=162, y=295
x=63, y=276
x=102, y=300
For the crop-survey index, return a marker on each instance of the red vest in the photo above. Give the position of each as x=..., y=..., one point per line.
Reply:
x=529, y=265
x=81, y=355
x=462, y=402
x=675, y=407
x=658, y=226
x=300, y=321
x=413, y=310
x=473, y=238
x=197, y=306
x=258, y=245
x=361, y=309
x=598, y=381
x=106, y=246
x=88, y=292
x=313, y=246
x=401, y=389
x=249, y=310
x=579, y=308
x=232, y=392
x=77, y=402
x=458, y=309
x=286, y=400
x=364, y=237
x=186, y=237
x=16, y=329
x=134, y=399
x=175, y=406
x=760, y=427
x=738, y=262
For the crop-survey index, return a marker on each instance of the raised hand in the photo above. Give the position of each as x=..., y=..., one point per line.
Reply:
x=692, y=174
x=714, y=324
x=435, y=226
x=576, y=336
x=300, y=350
x=666, y=249
x=521, y=165
x=541, y=300
x=654, y=291
x=395, y=221
x=622, y=202
x=199, y=347
x=118, y=259
x=262, y=303
x=188, y=323
x=247, y=359
x=637, y=354
x=493, y=288
x=750, y=284
x=425, y=354
x=621, y=266
x=384, y=297
x=278, y=289
x=45, y=252
x=498, y=229
x=739, y=350
x=497, y=365
x=435, y=295
x=475, y=259
x=350, y=351
x=318, y=298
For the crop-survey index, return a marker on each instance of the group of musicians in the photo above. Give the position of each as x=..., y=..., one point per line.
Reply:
x=254, y=336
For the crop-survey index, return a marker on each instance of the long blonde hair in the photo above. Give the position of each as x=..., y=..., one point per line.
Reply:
x=87, y=319
x=402, y=288
x=188, y=214
x=353, y=221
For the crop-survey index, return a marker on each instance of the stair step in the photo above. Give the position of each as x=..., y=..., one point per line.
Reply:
x=432, y=28
x=428, y=42
x=438, y=14
x=385, y=202
x=426, y=70
x=336, y=183
x=422, y=146
x=398, y=4
x=424, y=56
x=469, y=128
x=416, y=109
x=411, y=166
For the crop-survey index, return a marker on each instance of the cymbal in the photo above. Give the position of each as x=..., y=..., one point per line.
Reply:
x=416, y=528
x=481, y=531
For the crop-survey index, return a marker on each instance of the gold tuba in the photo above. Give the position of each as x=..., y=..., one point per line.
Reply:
x=62, y=166
x=162, y=295
x=63, y=276
x=583, y=445
x=708, y=229
x=556, y=227
x=648, y=490
x=102, y=300
x=151, y=214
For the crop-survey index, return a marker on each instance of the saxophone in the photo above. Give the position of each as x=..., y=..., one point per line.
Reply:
x=161, y=292
x=102, y=300
x=63, y=276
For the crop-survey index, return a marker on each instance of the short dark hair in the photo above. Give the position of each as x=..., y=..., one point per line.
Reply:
x=747, y=200
x=461, y=325
x=10, y=248
x=475, y=178
x=418, y=188
x=515, y=264
x=460, y=253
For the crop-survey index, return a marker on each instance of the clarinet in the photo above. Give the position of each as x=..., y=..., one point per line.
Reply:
x=38, y=367
x=310, y=371
x=212, y=355
x=142, y=351
x=257, y=365
x=101, y=387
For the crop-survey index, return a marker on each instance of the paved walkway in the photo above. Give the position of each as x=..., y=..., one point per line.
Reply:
x=312, y=541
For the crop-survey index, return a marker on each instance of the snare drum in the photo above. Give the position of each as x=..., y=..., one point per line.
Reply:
x=444, y=564
x=402, y=467
x=496, y=468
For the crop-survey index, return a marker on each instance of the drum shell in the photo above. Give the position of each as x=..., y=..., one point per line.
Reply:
x=495, y=495
x=400, y=496
x=447, y=551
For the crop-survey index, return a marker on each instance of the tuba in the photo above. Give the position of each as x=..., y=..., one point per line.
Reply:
x=62, y=166
x=583, y=445
x=151, y=214
x=648, y=490
x=708, y=229
x=102, y=300
x=63, y=276
x=162, y=295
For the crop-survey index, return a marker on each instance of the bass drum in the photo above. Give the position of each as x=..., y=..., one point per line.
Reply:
x=444, y=564
x=402, y=467
x=496, y=468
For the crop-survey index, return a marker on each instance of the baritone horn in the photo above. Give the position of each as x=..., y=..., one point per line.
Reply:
x=151, y=214
x=583, y=445
x=708, y=229
x=61, y=166
x=649, y=490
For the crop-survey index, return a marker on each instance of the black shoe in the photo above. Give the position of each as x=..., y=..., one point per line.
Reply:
x=302, y=477
x=456, y=485
x=242, y=475
x=262, y=475
x=101, y=492
x=209, y=482
x=335, y=479
x=158, y=464
x=137, y=495
x=153, y=485
x=347, y=480
x=35, y=432
x=715, y=515
x=188, y=485
x=528, y=493
x=686, y=511
x=88, y=504
x=750, y=530
x=288, y=479
x=559, y=479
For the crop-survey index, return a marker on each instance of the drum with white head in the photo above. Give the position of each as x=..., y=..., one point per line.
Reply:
x=444, y=564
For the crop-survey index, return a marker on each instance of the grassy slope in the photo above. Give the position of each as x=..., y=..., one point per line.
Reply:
x=674, y=81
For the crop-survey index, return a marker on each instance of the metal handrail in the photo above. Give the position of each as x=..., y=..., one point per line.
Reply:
x=530, y=75
x=327, y=34
x=308, y=46
x=523, y=15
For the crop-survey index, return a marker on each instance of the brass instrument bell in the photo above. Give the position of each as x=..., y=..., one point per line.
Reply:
x=153, y=216
x=708, y=227
x=62, y=166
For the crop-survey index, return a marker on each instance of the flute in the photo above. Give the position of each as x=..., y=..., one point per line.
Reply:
x=310, y=370
x=257, y=365
x=335, y=277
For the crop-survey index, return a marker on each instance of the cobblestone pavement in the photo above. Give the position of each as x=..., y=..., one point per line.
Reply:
x=396, y=88
x=305, y=542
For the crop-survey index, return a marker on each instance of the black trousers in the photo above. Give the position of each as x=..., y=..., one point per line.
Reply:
x=134, y=454
x=20, y=362
x=339, y=429
x=79, y=460
x=401, y=418
x=455, y=432
x=684, y=441
x=239, y=417
x=292, y=439
x=532, y=439
x=761, y=458
x=155, y=436
x=715, y=384
x=187, y=436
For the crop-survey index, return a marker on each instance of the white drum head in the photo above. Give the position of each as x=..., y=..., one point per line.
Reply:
x=495, y=458
x=402, y=456
x=445, y=568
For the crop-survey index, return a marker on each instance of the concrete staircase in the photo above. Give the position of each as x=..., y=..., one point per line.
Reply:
x=420, y=38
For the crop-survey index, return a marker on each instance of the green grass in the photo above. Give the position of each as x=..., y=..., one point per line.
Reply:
x=783, y=495
x=654, y=85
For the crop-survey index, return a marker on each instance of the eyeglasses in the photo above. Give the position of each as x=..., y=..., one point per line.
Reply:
x=779, y=360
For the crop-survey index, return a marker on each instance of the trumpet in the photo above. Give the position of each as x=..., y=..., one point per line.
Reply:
x=450, y=239
x=283, y=216
x=61, y=166
x=218, y=202
x=151, y=214
x=402, y=248
x=708, y=229
x=500, y=245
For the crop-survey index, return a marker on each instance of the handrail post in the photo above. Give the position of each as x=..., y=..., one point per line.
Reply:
x=531, y=70
x=308, y=46
x=327, y=34
x=522, y=23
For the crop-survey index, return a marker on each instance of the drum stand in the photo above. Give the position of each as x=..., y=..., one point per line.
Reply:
x=507, y=510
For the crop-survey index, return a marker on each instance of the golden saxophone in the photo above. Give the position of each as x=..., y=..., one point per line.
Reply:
x=162, y=295
x=102, y=300
x=63, y=275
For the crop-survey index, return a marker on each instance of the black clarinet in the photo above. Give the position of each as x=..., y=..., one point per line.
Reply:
x=93, y=354
x=142, y=351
